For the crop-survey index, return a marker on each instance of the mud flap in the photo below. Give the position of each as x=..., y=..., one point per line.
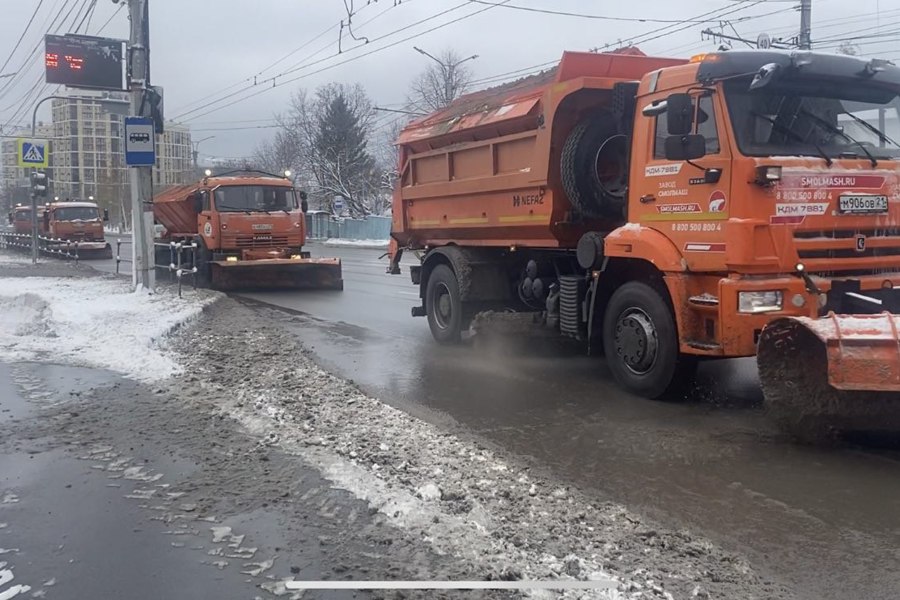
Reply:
x=277, y=274
x=838, y=374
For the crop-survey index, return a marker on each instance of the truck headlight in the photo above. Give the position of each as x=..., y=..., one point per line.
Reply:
x=760, y=302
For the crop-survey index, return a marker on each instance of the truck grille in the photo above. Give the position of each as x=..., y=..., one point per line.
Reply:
x=849, y=251
x=257, y=241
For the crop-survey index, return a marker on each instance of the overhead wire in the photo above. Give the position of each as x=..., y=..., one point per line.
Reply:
x=21, y=37
x=284, y=57
x=276, y=84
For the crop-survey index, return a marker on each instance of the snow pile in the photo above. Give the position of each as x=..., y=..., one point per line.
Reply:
x=92, y=322
x=470, y=502
x=374, y=244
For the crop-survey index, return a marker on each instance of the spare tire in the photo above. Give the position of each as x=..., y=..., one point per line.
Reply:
x=594, y=167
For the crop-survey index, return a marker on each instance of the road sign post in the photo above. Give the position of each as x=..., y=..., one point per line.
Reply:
x=141, y=176
x=140, y=138
x=34, y=154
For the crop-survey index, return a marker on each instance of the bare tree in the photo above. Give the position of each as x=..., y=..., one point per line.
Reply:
x=440, y=83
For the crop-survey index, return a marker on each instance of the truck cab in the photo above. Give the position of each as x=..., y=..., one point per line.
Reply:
x=246, y=216
x=769, y=183
x=77, y=222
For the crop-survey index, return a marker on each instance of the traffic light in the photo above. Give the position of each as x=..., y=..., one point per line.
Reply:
x=39, y=184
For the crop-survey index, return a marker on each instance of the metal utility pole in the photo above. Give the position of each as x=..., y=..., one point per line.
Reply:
x=195, y=150
x=34, y=223
x=144, y=273
x=805, y=41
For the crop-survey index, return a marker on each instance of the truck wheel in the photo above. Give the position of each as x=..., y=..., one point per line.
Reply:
x=640, y=341
x=443, y=305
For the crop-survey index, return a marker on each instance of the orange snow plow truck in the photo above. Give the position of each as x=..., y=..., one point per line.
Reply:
x=741, y=203
x=249, y=229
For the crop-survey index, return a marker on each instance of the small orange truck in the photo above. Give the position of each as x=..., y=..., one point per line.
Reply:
x=20, y=219
x=672, y=211
x=249, y=229
x=74, y=221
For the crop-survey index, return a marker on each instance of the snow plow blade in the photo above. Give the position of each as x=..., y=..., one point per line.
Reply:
x=277, y=274
x=833, y=375
x=96, y=250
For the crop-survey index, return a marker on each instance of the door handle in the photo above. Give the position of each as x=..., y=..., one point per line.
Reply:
x=647, y=198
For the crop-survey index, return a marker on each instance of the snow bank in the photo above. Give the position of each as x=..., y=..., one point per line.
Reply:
x=374, y=244
x=92, y=322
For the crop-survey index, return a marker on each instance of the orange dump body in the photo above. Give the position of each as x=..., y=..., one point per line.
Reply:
x=485, y=170
x=175, y=210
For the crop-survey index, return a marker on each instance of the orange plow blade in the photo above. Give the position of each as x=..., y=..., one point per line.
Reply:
x=836, y=374
x=277, y=274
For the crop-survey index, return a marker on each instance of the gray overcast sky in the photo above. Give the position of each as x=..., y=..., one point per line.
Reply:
x=214, y=48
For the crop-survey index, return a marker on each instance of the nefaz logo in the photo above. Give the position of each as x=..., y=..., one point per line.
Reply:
x=528, y=199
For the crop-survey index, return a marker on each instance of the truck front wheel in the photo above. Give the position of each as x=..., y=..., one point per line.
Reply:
x=640, y=341
x=443, y=305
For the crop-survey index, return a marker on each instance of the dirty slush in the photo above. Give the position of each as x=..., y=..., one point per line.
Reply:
x=365, y=491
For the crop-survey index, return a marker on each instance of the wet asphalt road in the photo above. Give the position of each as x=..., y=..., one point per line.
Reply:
x=824, y=521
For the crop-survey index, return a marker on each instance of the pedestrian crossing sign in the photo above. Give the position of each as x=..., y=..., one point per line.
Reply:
x=33, y=153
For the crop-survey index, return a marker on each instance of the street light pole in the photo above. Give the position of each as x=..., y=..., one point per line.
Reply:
x=34, y=223
x=195, y=151
x=448, y=70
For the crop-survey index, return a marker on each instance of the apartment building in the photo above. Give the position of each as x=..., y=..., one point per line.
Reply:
x=88, y=152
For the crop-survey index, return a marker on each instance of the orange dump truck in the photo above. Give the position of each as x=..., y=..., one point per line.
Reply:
x=20, y=219
x=672, y=211
x=249, y=228
x=74, y=221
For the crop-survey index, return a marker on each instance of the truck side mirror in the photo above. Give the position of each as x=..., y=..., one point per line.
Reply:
x=106, y=215
x=679, y=114
x=685, y=147
x=197, y=202
x=304, y=203
x=11, y=218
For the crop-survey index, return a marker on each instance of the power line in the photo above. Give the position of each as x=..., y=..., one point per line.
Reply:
x=583, y=16
x=334, y=65
x=20, y=72
x=21, y=37
x=702, y=18
x=306, y=44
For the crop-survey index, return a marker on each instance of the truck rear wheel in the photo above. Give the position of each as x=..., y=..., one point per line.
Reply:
x=640, y=341
x=443, y=305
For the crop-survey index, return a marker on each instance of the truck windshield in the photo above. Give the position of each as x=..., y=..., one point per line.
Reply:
x=254, y=198
x=805, y=119
x=76, y=213
x=23, y=215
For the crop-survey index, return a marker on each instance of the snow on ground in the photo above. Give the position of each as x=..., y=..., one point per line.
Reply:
x=338, y=242
x=479, y=505
x=92, y=322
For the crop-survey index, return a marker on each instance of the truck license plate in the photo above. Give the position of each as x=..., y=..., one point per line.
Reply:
x=863, y=204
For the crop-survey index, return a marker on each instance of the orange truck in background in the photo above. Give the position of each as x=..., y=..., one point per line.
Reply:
x=62, y=223
x=672, y=211
x=249, y=228
x=80, y=222
x=20, y=219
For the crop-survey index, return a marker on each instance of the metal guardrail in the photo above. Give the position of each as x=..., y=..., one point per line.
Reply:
x=178, y=267
x=66, y=249
x=119, y=258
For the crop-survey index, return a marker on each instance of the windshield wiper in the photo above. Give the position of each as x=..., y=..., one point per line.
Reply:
x=881, y=136
x=233, y=208
x=788, y=131
x=837, y=130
